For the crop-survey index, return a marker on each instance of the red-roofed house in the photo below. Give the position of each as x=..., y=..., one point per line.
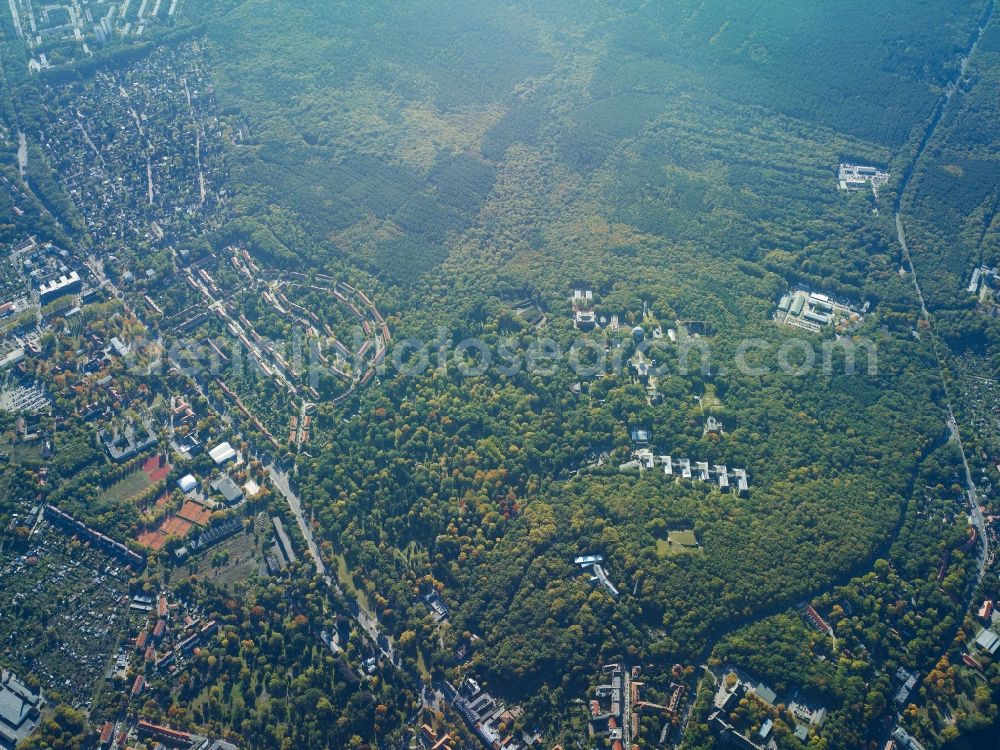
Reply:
x=429, y=734
x=147, y=729
x=970, y=661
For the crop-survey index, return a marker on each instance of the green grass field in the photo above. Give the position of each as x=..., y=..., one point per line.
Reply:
x=127, y=487
x=676, y=543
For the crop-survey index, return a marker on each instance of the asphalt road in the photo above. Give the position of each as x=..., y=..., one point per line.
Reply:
x=970, y=486
x=365, y=619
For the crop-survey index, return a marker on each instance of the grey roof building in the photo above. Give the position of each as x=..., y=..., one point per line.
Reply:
x=229, y=490
x=20, y=710
x=765, y=693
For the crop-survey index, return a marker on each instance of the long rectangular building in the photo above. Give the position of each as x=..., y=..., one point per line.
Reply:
x=58, y=287
x=283, y=541
x=67, y=522
x=166, y=734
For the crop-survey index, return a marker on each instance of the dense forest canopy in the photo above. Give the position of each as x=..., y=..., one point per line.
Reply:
x=472, y=166
x=383, y=130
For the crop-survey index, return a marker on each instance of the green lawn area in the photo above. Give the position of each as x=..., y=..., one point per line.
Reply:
x=29, y=453
x=677, y=542
x=347, y=581
x=127, y=487
x=710, y=400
